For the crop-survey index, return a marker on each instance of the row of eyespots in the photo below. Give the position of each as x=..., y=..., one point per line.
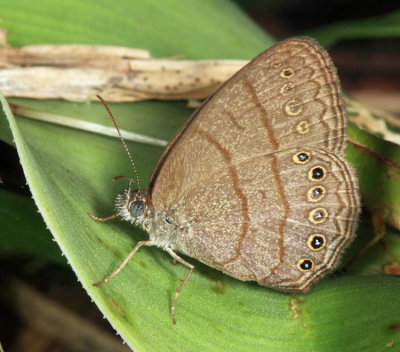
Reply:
x=318, y=215
x=292, y=107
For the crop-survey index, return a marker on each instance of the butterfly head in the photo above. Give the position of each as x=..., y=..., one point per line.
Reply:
x=132, y=205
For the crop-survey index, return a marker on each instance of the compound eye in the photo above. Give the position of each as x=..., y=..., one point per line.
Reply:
x=137, y=208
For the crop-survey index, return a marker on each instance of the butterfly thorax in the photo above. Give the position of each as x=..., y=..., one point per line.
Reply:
x=136, y=207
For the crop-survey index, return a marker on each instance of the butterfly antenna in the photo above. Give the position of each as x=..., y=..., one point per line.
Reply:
x=122, y=140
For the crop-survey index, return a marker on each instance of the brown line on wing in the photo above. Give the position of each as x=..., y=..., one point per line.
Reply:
x=285, y=203
x=264, y=114
x=232, y=117
x=238, y=191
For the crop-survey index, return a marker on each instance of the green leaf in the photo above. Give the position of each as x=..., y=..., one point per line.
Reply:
x=378, y=167
x=69, y=173
x=194, y=29
x=385, y=26
x=23, y=230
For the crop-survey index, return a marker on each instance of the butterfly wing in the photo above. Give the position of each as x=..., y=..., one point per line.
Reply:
x=296, y=213
x=211, y=177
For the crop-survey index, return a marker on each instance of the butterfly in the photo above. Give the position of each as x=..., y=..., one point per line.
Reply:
x=256, y=184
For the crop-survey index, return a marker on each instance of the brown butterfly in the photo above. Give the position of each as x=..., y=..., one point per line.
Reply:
x=255, y=184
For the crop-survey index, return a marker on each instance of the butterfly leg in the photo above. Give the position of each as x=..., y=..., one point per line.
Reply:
x=126, y=260
x=182, y=285
x=121, y=177
x=94, y=217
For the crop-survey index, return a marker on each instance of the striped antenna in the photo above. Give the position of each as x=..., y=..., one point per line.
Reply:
x=122, y=140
